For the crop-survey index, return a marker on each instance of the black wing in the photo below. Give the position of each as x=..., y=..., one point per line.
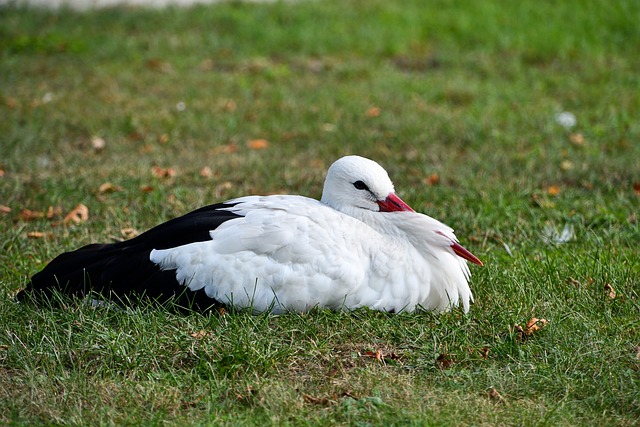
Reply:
x=123, y=270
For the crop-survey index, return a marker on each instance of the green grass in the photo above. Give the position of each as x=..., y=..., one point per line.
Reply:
x=466, y=90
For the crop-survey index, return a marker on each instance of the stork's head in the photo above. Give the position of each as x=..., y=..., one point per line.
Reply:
x=354, y=182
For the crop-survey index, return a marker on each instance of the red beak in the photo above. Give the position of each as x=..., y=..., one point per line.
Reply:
x=463, y=252
x=393, y=203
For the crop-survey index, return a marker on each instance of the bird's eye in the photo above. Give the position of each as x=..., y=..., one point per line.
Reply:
x=360, y=185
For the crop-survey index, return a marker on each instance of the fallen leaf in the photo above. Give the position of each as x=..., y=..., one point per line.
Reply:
x=553, y=190
x=5, y=209
x=38, y=235
x=250, y=392
x=373, y=112
x=163, y=139
x=566, y=165
x=223, y=187
x=229, y=105
x=207, y=65
x=98, y=143
x=533, y=325
x=77, y=215
x=160, y=172
x=574, y=282
x=53, y=212
x=495, y=395
x=258, y=144
x=636, y=188
x=201, y=334
x=11, y=102
x=129, y=233
x=315, y=400
x=433, y=179
x=374, y=355
x=577, y=139
x=444, y=361
x=146, y=188
x=206, y=172
x=1, y=172
x=484, y=352
x=29, y=215
x=611, y=293
x=108, y=187
x=160, y=65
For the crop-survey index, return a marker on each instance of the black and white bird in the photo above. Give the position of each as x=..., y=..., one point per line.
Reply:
x=359, y=246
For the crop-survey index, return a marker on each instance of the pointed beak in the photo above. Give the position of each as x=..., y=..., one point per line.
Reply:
x=393, y=203
x=463, y=252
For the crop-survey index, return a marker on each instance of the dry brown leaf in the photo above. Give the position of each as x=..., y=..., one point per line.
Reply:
x=77, y=215
x=29, y=215
x=39, y=235
x=258, y=144
x=163, y=139
x=108, y=187
x=160, y=65
x=534, y=324
x=373, y=112
x=223, y=187
x=611, y=293
x=247, y=395
x=433, y=179
x=129, y=233
x=577, y=139
x=160, y=172
x=11, y=102
x=5, y=209
x=316, y=400
x=484, y=352
x=374, y=355
x=444, y=361
x=206, y=172
x=574, y=282
x=495, y=395
x=1, y=172
x=566, y=165
x=636, y=188
x=553, y=190
x=201, y=334
x=146, y=188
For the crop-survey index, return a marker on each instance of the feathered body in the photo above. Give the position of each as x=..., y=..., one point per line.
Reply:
x=360, y=246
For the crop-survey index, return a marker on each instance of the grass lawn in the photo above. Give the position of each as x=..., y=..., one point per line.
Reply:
x=142, y=115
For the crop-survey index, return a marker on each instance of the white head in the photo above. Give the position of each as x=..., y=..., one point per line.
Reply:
x=354, y=183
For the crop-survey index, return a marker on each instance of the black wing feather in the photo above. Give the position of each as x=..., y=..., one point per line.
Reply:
x=123, y=270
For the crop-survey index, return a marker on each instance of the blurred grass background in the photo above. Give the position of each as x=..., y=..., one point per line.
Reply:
x=456, y=99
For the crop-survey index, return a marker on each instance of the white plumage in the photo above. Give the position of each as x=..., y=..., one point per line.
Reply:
x=359, y=246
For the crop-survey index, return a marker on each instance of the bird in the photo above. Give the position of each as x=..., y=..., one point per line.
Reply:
x=360, y=245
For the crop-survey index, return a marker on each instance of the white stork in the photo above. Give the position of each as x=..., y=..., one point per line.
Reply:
x=359, y=246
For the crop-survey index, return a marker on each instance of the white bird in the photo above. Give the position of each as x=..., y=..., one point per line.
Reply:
x=359, y=246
